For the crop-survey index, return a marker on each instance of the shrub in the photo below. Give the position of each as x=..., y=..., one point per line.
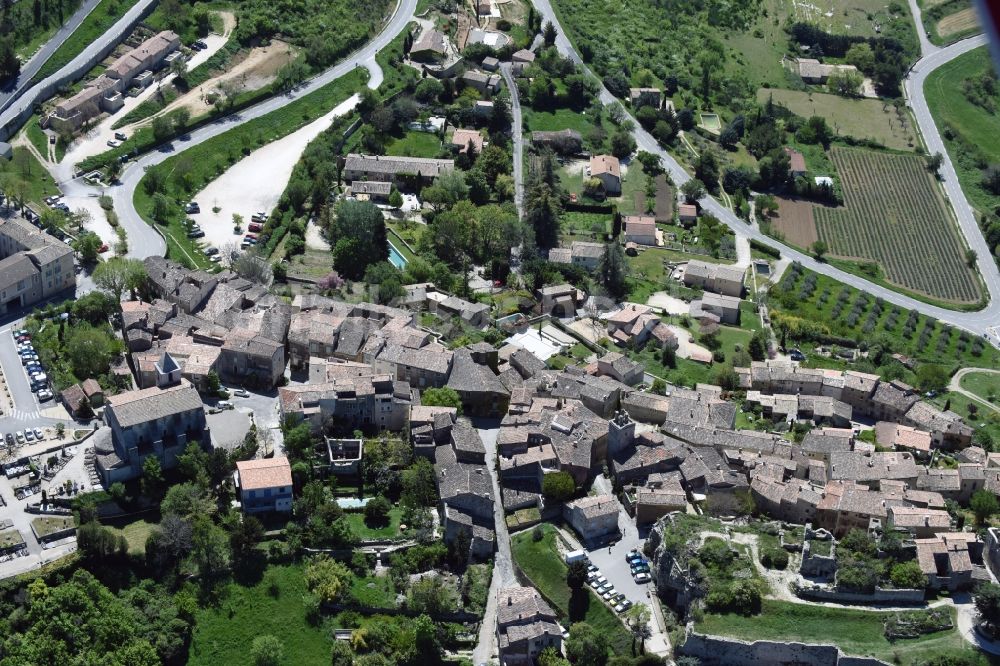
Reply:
x=774, y=558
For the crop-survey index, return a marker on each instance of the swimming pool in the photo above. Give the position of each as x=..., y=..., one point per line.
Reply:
x=396, y=258
x=352, y=502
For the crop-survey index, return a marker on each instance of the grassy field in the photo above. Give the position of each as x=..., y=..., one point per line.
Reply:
x=906, y=227
x=357, y=523
x=415, y=144
x=541, y=562
x=859, y=118
x=9, y=539
x=135, y=531
x=856, y=632
x=971, y=133
x=208, y=160
x=374, y=591
x=984, y=384
x=105, y=15
x=45, y=525
x=25, y=177
x=223, y=634
x=832, y=304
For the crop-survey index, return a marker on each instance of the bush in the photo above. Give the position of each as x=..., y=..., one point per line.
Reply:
x=774, y=558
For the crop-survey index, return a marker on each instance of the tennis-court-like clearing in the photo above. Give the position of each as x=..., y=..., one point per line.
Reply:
x=903, y=224
x=859, y=118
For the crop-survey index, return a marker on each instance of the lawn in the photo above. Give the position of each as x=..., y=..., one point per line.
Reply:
x=948, y=21
x=970, y=132
x=856, y=632
x=905, y=227
x=223, y=633
x=843, y=311
x=415, y=144
x=373, y=591
x=357, y=523
x=984, y=384
x=870, y=119
x=25, y=177
x=209, y=159
x=541, y=562
x=135, y=531
x=579, y=226
x=98, y=22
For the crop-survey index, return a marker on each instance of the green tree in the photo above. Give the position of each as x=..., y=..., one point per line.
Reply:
x=163, y=128
x=613, y=270
x=116, y=275
x=361, y=240
x=212, y=382
x=549, y=34
x=693, y=190
x=758, y=346
x=395, y=198
x=558, y=486
x=88, y=244
x=987, y=600
x=861, y=56
x=209, y=547
x=932, y=377
x=419, y=485
x=431, y=595
x=90, y=350
x=441, y=397
x=576, y=574
x=266, y=650
x=586, y=646
x=984, y=505
x=377, y=512
x=152, y=477
x=326, y=578
x=819, y=249
x=341, y=654
x=907, y=575
x=622, y=144
x=637, y=618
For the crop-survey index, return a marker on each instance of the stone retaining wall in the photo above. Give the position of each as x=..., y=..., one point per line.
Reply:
x=721, y=651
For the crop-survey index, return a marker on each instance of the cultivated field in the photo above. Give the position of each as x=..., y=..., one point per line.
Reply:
x=795, y=222
x=960, y=21
x=904, y=224
x=859, y=118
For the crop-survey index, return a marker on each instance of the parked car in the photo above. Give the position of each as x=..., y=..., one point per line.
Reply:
x=641, y=578
x=28, y=359
x=22, y=331
x=39, y=435
x=196, y=234
x=225, y=404
x=608, y=594
x=216, y=259
x=211, y=251
x=250, y=236
x=20, y=437
x=192, y=208
x=103, y=248
x=642, y=568
x=254, y=226
x=112, y=143
x=242, y=393
x=201, y=44
x=10, y=438
x=121, y=136
x=28, y=435
x=45, y=395
x=259, y=216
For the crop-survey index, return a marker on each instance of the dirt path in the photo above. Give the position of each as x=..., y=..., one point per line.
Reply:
x=955, y=385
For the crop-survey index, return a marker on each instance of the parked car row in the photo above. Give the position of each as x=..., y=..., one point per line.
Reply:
x=37, y=379
x=26, y=435
x=606, y=590
x=639, y=566
x=56, y=203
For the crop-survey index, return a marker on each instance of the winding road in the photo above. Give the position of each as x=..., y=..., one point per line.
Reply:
x=979, y=322
x=143, y=240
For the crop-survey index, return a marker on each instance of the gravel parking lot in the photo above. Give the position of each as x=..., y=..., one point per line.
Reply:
x=256, y=182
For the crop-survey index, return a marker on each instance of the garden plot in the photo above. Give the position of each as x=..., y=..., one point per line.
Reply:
x=904, y=225
x=960, y=21
x=256, y=182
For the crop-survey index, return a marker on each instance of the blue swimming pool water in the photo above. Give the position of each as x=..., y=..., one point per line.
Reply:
x=395, y=258
x=352, y=502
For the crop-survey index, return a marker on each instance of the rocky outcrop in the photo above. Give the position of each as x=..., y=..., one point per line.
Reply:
x=674, y=581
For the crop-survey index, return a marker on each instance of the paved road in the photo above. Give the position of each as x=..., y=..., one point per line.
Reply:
x=926, y=48
x=143, y=240
x=15, y=87
x=503, y=567
x=976, y=322
x=517, y=139
x=29, y=98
